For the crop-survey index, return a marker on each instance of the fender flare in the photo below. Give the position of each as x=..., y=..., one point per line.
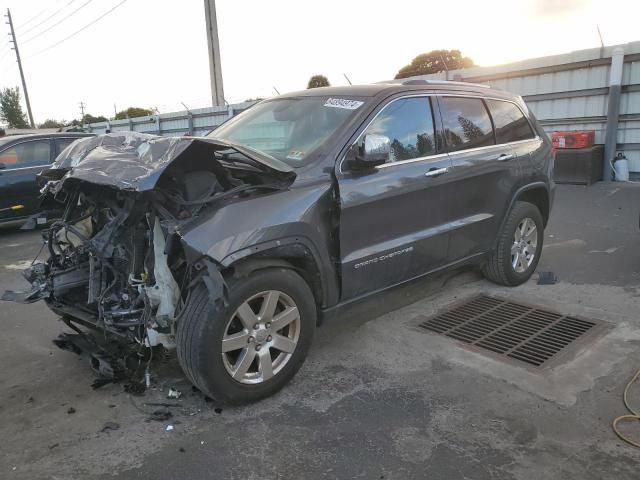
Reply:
x=328, y=281
x=514, y=199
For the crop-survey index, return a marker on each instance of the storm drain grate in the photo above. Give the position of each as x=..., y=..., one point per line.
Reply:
x=525, y=333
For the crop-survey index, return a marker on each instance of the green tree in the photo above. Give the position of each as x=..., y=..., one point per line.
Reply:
x=435, y=61
x=11, y=110
x=88, y=118
x=51, y=123
x=133, y=112
x=318, y=81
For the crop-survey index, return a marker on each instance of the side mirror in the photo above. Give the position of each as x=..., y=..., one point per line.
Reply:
x=2, y=166
x=375, y=150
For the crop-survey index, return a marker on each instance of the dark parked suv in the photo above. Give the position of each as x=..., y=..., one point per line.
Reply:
x=231, y=247
x=22, y=157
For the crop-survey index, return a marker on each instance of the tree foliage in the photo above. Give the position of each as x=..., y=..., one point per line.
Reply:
x=88, y=118
x=435, y=61
x=318, y=81
x=11, y=110
x=133, y=112
x=51, y=123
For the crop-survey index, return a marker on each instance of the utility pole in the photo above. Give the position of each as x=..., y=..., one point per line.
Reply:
x=24, y=83
x=215, y=67
x=82, y=105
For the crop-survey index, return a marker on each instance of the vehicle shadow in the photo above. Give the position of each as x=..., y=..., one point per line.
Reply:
x=353, y=315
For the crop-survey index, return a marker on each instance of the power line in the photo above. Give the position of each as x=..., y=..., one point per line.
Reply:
x=77, y=31
x=49, y=17
x=57, y=23
x=37, y=15
x=7, y=51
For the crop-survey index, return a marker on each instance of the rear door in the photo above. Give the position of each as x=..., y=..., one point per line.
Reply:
x=513, y=127
x=19, y=165
x=392, y=218
x=483, y=171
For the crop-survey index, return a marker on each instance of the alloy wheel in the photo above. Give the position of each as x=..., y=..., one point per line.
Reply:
x=525, y=242
x=261, y=337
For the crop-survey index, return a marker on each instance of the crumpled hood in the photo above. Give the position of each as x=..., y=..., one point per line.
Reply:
x=135, y=161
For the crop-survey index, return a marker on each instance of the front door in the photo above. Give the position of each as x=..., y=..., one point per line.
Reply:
x=393, y=217
x=19, y=165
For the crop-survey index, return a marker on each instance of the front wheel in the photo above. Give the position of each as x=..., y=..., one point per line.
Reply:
x=251, y=348
x=518, y=248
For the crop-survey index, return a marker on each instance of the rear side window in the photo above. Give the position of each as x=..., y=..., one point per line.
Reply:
x=26, y=154
x=466, y=123
x=510, y=124
x=408, y=123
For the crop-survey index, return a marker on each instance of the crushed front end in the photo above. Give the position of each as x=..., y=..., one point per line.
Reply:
x=119, y=272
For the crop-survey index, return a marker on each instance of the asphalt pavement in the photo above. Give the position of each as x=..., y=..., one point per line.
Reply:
x=378, y=398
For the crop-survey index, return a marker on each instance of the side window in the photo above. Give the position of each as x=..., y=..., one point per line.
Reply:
x=62, y=143
x=510, y=124
x=466, y=123
x=408, y=123
x=27, y=154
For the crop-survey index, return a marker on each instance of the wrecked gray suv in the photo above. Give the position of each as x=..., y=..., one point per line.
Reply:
x=231, y=247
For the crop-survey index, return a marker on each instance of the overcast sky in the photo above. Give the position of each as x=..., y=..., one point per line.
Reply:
x=154, y=54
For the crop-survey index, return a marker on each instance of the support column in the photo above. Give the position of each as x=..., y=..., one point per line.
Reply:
x=215, y=67
x=613, y=111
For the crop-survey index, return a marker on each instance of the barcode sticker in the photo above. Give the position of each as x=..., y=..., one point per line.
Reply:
x=343, y=103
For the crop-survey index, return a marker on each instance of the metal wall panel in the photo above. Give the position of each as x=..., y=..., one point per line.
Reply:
x=564, y=86
x=564, y=96
x=176, y=123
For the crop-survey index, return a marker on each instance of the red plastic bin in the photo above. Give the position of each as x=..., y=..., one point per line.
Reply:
x=577, y=139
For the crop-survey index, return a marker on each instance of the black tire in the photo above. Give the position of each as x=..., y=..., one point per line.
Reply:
x=202, y=326
x=499, y=268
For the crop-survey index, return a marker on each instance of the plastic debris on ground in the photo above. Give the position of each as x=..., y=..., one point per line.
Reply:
x=547, y=278
x=174, y=393
x=169, y=428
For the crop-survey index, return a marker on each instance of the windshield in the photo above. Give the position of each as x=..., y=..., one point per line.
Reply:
x=289, y=129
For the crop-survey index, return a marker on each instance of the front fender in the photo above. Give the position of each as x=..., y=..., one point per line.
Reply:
x=300, y=215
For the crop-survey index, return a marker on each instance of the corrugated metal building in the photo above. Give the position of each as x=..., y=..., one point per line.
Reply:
x=570, y=91
x=566, y=92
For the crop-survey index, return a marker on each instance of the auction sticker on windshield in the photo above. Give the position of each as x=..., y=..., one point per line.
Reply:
x=343, y=103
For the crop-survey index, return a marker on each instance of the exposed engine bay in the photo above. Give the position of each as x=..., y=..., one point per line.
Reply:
x=117, y=263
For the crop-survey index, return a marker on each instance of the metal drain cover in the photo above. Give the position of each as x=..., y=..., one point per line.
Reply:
x=521, y=332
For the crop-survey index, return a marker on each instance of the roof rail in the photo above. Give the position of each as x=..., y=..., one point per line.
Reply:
x=444, y=82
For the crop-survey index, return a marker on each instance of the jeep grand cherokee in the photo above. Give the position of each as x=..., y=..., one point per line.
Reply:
x=231, y=247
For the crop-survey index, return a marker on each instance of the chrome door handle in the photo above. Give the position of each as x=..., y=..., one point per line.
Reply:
x=434, y=172
x=504, y=157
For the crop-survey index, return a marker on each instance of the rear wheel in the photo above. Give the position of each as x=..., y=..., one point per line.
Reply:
x=519, y=246
x=251, y=348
